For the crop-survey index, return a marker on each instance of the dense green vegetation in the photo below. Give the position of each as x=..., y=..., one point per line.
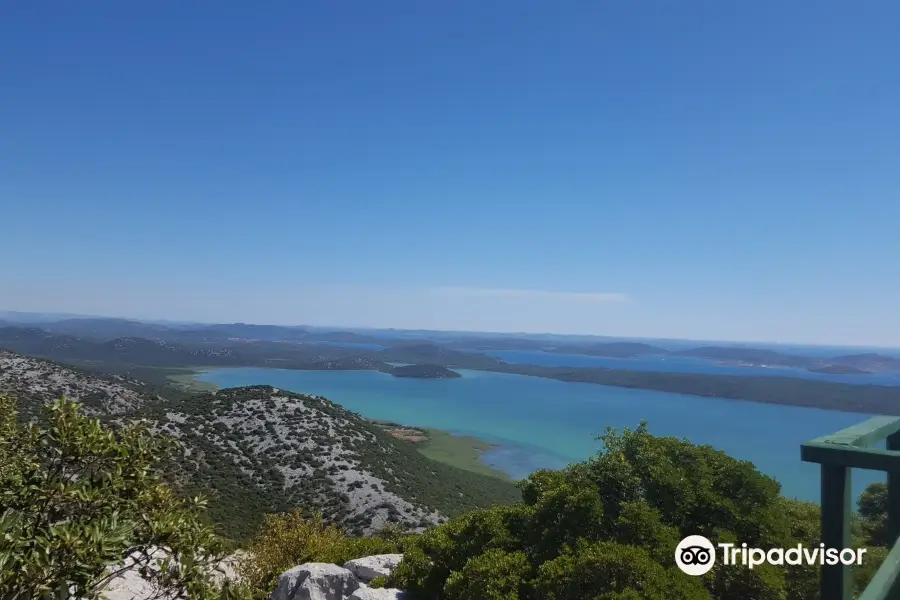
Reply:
x=86, y=496
x=607, y=528
x=603, y=529
x=78, y=498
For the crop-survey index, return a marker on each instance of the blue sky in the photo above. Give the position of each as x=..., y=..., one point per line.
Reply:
x=713, y=170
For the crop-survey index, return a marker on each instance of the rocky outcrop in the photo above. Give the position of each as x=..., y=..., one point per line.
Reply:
x=35, y=382
x=342, y=465
x=315, y=581
x=324, y=581
x=367, y=593
x=130, y=585
x=368, y=568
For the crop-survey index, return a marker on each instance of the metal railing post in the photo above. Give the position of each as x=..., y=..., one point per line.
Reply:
x=893, y=492
x=837, y=454
x=836, y=582
x=892, y=442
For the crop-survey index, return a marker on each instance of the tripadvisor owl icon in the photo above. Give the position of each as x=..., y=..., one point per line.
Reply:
x=695, y=555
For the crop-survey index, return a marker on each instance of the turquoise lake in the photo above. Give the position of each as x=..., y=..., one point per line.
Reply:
x=542, y=423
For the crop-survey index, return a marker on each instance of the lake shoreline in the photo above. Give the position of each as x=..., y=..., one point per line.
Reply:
x=188, y=380
x=542, y=423
x=461, y=451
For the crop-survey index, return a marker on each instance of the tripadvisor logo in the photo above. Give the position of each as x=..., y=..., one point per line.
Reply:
x=696, y=555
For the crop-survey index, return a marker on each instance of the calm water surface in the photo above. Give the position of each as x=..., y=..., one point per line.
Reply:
x=543, y=423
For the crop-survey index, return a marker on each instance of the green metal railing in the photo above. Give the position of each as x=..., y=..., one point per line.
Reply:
x=838, y=454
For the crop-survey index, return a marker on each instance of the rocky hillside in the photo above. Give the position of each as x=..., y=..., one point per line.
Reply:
x=259, y=450
x=35, y=382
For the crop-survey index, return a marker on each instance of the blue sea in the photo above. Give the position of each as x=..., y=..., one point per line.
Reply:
x=543, y=423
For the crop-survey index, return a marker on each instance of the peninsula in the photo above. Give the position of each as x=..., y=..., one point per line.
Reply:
x=424, y=372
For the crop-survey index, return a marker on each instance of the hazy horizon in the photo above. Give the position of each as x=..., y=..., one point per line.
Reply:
x=49, y=317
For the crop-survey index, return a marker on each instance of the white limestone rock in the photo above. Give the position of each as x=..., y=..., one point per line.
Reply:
x=315, y=581
x=367, y=593
x=369, y=567
x=129, y=585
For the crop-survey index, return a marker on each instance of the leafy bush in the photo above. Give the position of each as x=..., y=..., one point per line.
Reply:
x=873, y=512
x=612, y=571
x=607, y=529
x=79, y=498
x=494, y=575
x=291, y=539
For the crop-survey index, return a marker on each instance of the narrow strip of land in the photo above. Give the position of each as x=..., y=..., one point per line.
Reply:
x=187, y=380
x=787, y=391
x=460, y=451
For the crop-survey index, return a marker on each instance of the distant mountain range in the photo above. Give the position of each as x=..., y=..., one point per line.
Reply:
x=192, y=339
x=213, y=350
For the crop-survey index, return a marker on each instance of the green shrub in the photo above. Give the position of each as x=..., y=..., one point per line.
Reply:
x=608, y=571
x=79, y=497
x=493, y=575
x=873, y=513
x=607, y=529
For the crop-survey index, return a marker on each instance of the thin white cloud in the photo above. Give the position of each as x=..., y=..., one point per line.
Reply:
x=535, y=294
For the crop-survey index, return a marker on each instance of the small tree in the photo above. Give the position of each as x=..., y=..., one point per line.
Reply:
x=83, y=504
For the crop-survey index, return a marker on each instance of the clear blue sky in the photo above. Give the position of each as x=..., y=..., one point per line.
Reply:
x=713, y=170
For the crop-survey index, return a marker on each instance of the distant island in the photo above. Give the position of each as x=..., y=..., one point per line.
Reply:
x=870, y=362
x=750, y=357
x=424, y=372
x=839, y=370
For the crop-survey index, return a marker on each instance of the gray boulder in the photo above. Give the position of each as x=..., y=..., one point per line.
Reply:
x=369, y=567
x=315, y=581
x=367, y=593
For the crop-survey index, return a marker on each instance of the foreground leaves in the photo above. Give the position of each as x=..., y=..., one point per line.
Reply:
x=82, y=504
